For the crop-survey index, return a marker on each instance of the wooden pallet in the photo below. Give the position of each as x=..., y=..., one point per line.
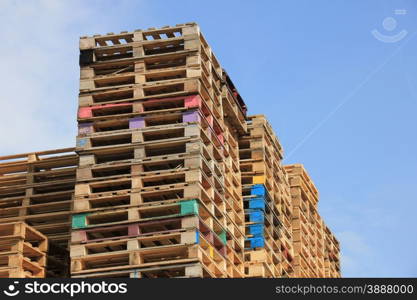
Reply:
x=235, y=237
x=259, y=127
x=192, y=270
x=105, y=73
x=182, y=162
x=231, y=88
x=150, y=66
x=149, y=181
x=10, y=246
x=43, y=199
x=119, y=124
x=156, y=217
x=208, y=212
x=135, y=214
x=152, y=110
x=140, y=242
x=149, y=107
x=125, y=37
x=18, y=261
x=123, y=203
x=256, y=149
x=259, y=270
x=153, y=91
x=22, y=251
x=155, y=68
x=299, y=178
x=149, y=257
x=313, y=242
x=150, y=78
x=147, y=153
x=129, y=230
x=136, y=190
x=142, y=86
x=267, y=200
x=19, y=231
x=150, y=135
x=140, y=50
x=124, y=198
x=137, y=132
x=149, y=228
x=235, y=212
x=154, y=241
x=150, y=151
x=233, y=111
x=55, y=226
x=13, y=207
x=111, y=47
x=28, y=190
x=331, y=254
x=264, y=221
x=145, y=43
x=235, y=265
x=19, y=273
x=43, y=159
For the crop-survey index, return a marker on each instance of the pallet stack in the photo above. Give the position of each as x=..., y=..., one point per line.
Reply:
x=331, y=255
x=158, y=190
x=38, y=188
x=170, y=177
x=22, y=251
x=315, y=248
x=267, y=202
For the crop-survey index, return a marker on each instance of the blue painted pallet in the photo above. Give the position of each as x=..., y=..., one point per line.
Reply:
x=257, y=203
x=258, y=190
x=255, y=215
x=256, y=242
x=256, y=229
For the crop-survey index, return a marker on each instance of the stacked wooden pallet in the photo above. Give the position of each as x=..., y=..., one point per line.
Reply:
x=170, y=177
x=158, y=190
x=331, y=255
x=37, y=188
x=22, y=251
x=315, y=248
x=267, y=200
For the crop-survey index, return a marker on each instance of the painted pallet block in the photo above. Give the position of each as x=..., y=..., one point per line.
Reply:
x=184, y=208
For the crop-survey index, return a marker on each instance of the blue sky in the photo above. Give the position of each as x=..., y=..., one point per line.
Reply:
x=342, y=102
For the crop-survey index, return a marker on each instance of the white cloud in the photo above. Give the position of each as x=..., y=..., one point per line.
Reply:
x=347, y=263
x=353, y=242
x=354, y=251
x=39, y=59
x=39, y=82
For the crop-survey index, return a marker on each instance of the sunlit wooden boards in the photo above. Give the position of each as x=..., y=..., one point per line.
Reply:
x=158, y=190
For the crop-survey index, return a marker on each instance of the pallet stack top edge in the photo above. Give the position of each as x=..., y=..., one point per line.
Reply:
x=150, y=29
x=163, y=36
x=34, y=156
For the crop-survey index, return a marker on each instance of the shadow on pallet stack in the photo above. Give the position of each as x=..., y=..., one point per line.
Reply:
x=267, y=201
x=37, y=188
x=22, y=251
x=158, y=190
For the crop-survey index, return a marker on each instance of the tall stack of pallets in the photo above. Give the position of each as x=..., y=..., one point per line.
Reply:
x=38, y=188
x=158, y=190
x=22, y=251
x=315, y=248
x=170, y=177
x=331, y=255
x=267, y=202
